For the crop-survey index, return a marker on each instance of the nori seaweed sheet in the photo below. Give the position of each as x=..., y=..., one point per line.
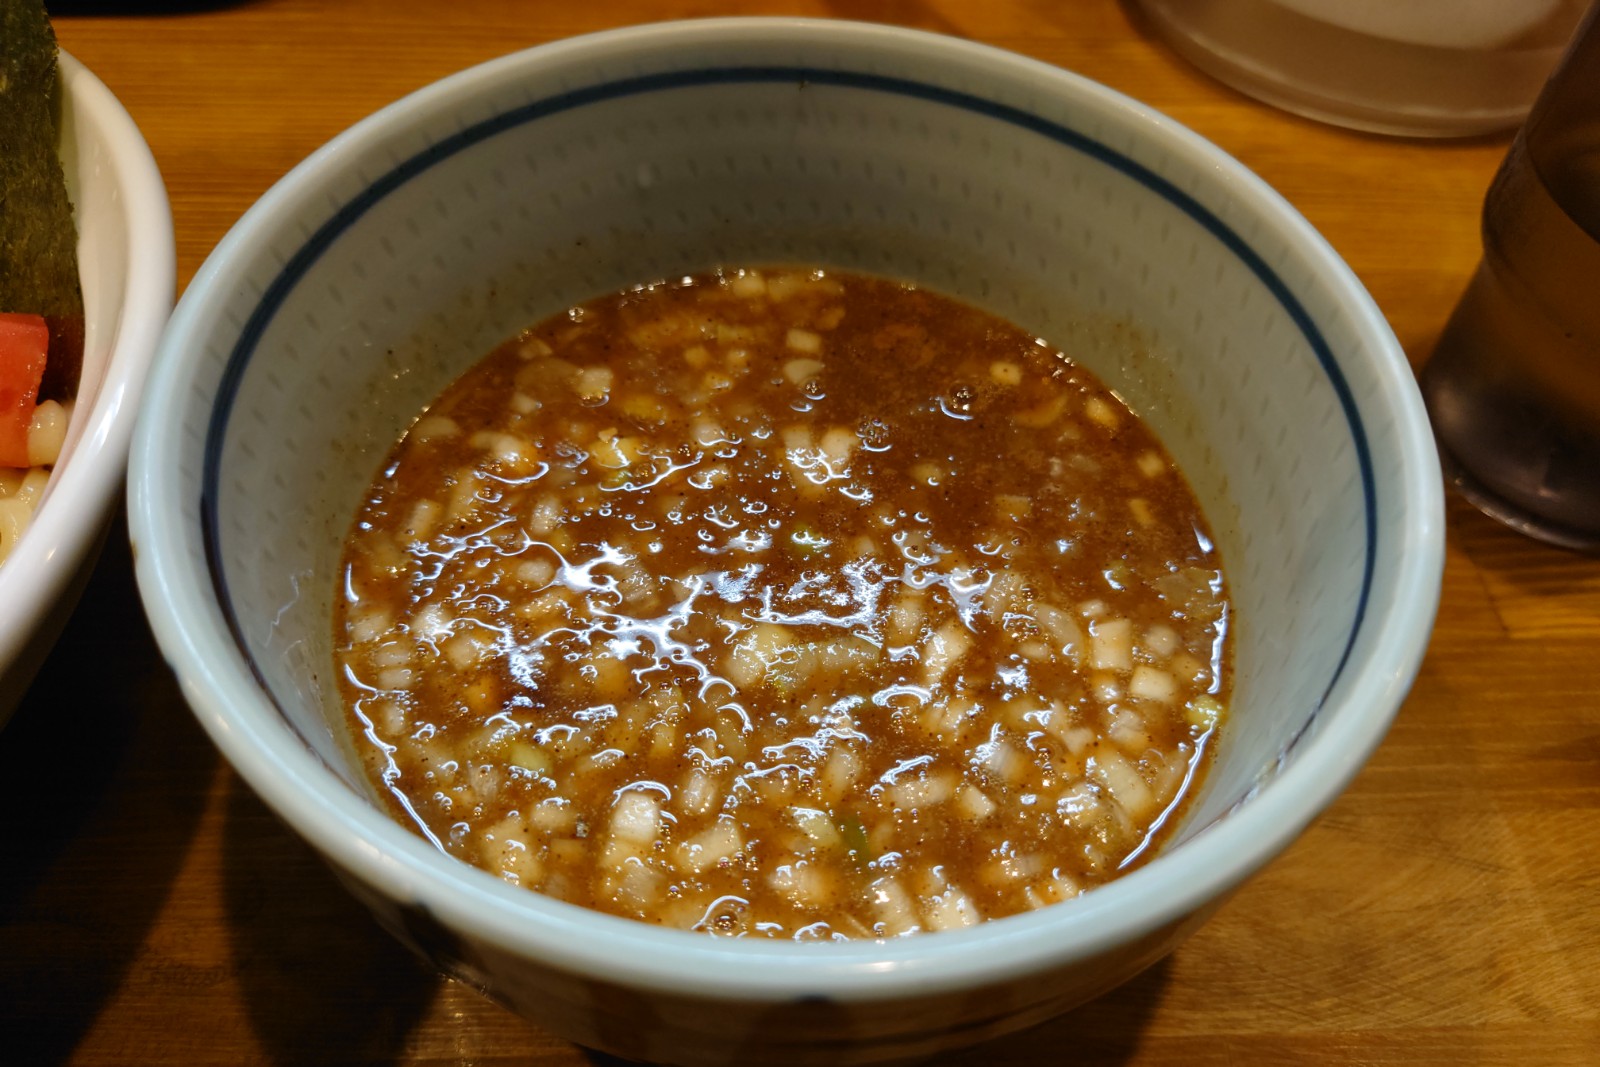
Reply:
x=38, y=241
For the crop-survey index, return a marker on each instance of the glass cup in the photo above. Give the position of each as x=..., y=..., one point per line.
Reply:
x=1421, y=68
x=1513, y=386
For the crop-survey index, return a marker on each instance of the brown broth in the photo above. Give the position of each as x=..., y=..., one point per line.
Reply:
x=788, y=603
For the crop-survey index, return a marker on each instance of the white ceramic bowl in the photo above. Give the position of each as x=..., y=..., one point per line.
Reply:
x=403, y=250
x=126, y=265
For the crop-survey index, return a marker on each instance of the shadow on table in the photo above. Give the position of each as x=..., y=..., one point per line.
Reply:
x=322, y=983
x=1533, y=567
x=1102, y=1033
x=103, y=780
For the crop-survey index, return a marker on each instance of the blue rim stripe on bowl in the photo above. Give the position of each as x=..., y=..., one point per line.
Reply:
x=325, y=235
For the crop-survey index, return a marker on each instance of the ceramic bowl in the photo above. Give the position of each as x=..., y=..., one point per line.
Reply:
x=406, y=248
x=126, y=265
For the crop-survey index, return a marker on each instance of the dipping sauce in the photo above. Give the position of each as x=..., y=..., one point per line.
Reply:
x=788, y=603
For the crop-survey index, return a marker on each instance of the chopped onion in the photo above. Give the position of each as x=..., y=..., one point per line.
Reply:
x=944, y=650
x=802, y=341
x=636, y=817
x=1161, y=641
x=748, y=284
x=1103, y=413
x=1111, y=644
x=1005, y=372
x=593, y=383
x=973, y=803
x=804, y=883
x=1150, y=683
x=951, y=910
x=1063, y=630
x=434, y=428
x=698, y=794
x=1121, y=781
x=818, y=826
x=892, y=907
x=425, y=514
x=720, y=842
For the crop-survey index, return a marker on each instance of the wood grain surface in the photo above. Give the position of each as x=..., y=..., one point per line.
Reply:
x=1445, y=910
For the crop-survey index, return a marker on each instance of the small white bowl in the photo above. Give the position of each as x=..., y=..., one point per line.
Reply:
x=406, y=248
x=126, y=260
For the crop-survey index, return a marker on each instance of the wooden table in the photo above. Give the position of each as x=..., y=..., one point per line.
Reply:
x=1446, y=910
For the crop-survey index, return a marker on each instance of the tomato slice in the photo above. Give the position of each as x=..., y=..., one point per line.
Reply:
x=24, y=340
